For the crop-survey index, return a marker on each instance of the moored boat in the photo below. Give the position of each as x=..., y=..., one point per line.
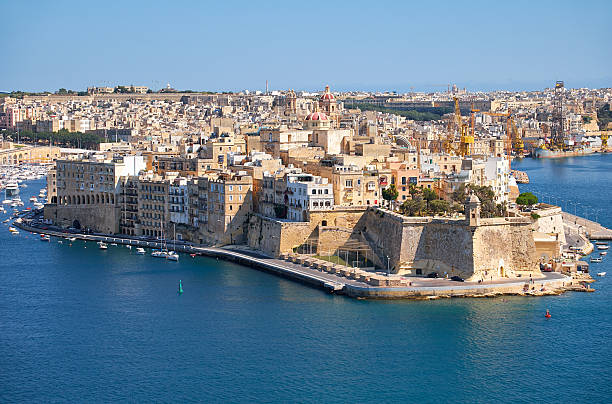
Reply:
x=140, y=251
x=102, y=245
x=172, y=256
x=159, y=254
x=596, y=260
x=601, y=274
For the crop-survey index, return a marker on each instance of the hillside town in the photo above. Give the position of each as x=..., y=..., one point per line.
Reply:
x=291, y=172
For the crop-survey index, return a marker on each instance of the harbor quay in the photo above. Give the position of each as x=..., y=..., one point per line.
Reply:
x=343, y=280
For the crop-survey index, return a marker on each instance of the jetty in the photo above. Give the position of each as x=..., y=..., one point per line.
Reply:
x=520, y=176
x=594, y=230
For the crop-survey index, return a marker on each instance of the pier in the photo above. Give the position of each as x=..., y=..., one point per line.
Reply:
x=594, y=230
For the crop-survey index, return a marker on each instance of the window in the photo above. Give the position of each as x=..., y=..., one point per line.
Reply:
x=314, y=191
x=231, y=198
x=326, y=191
x=349, y=183
x=231, y=187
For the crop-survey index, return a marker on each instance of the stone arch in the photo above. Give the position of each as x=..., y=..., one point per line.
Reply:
x=78, y=199
x=112, y=199
x=76, y=224
x=88, y=200
x=54, y=199
x=97, y=198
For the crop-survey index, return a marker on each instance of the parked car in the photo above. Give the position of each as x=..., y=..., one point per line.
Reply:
x=457, y=279
x=432, y=275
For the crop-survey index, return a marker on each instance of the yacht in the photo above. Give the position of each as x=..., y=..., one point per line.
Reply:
x=159, y=254
x=140, y=251
x=602, y=246
x=603, y=253
x=172, y=256
x=596, y=260
x=33, y=199
x=102, y=245
x=72, y=239
x=44, y=237
x=601, y=274
x=11, y=189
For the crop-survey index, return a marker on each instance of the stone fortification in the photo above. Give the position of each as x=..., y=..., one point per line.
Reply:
x=472, y=248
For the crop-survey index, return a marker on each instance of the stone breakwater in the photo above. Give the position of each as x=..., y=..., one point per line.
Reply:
x=350, y=282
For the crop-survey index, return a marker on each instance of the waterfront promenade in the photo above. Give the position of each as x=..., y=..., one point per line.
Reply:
x=332, y=281
x=594, y=230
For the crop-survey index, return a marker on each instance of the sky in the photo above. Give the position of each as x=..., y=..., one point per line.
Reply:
x=350, y=45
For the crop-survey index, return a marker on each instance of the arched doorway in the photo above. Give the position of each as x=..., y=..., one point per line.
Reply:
x=76, y=224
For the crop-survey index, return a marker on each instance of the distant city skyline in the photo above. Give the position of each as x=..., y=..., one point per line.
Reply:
x=236, y=45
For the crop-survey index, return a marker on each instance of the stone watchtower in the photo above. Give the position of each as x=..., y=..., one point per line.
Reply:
x=472, y=210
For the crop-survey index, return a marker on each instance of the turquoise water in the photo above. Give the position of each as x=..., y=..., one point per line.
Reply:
x=84, y=325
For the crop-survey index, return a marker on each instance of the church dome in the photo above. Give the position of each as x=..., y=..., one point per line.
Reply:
x=327, y=96
x=317, y=116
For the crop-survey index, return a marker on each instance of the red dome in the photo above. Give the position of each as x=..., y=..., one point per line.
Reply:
x=327, y=95
x=316, y=116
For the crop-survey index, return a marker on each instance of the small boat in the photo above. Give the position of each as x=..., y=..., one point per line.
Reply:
x=192, y=255
x=603, y=253
x=102, y=245
x=180, y=290
x=602, y=246
x=140, y=251
x=45, y=237
x=128, y=246
x=159, y=254
x=113, y=243
x=596, y=260
x=601, y=274
x=6, y=220
x=7, y=202
x=33, y=199
x=600, y=243
x=72, y=239
x=172, y=256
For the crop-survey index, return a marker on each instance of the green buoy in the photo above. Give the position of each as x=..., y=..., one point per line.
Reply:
x=180, y=291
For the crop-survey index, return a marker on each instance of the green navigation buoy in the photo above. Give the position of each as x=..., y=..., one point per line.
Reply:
x=180, y=291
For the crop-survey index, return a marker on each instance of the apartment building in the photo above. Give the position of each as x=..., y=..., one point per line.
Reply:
x=87, y=192
x=225, y=200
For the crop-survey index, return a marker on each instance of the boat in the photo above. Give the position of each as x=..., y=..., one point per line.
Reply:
x=171, y=255
x=596, y=260
x=601, y=243
x=543, y=152
x=603, y=253
x=7, y=202
x=6, y=220
x=603, y=247
x=113, y=243
x=601, y=274
x=33, y=199
x=44, y=237
x=128, y=246
x=11, y=189
x=14, y=232
x=140, y=251
x=71, y=239
x=159, y=254
x=102, y=245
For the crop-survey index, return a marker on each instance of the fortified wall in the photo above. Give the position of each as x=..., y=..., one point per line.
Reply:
x=486, y=248
x=98, y=218
x=472, y=248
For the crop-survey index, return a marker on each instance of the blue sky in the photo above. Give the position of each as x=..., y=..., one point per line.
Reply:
x=373, y=45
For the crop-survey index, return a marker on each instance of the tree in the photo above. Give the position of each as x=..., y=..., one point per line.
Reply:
x=390, y=193
x=429, y=195
x=62, y=91
x=458, y=194
x=413, y=207
x=527, y=199
x=439, y=206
